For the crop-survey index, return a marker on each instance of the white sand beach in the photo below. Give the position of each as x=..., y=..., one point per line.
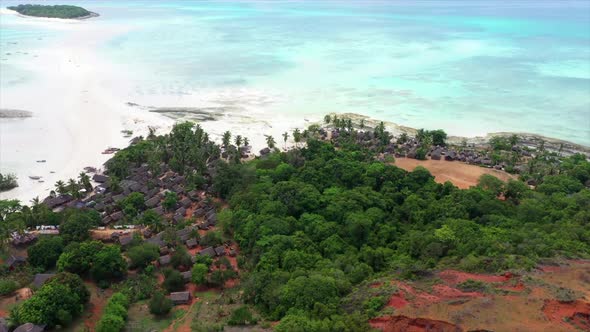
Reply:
x=79, y=105
x=76, y=114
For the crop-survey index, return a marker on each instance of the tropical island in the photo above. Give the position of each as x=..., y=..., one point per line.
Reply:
x=183, y=233
x=53, y=11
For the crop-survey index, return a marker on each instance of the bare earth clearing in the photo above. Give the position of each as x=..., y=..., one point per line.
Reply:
x=460, y=174
x=508, y=302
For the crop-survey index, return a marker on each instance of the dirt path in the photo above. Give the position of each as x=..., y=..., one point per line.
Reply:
x=185, y=319
x=98, y=299
x=460, y=174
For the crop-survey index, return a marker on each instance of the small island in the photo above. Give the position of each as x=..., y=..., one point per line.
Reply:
x=53, y=11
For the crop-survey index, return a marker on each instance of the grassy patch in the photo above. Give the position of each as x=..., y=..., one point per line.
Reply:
x=140, y=319
x=471, y=285
x=372, y=299
x=214, y=310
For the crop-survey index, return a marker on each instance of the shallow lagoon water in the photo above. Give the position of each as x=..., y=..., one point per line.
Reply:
x=468, y=67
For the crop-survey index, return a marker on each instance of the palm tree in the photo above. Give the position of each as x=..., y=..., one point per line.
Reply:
x=152, y=133
x=270, y=142
x=327, y=119
x=226, y=139
x=297, y=136
x=85, y=181
x=362, y=124
x=246, y=141
x=73, y=188
x=349, y=124
x=60, y=187
x=35, y=202
x=238, y=141
x=285, y=138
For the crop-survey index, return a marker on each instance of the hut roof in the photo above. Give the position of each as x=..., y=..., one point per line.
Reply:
x=159, y=210
x=53, y=202
x=41, y=278
x=186, y=202
x=155, y=240
x=125, y=240
x=14, y=260
x=152, y=202
x=164, y=260
x=199, y=213
x=220, y=251
x=180, y=211
x=117, y=215
x=3, y=325
x=191, y=243
x=186, y=275
x=209, y=251
x=100, y=178
x=30, y=327
x=180, y=297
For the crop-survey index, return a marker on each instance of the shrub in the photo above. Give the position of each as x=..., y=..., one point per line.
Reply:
x=139, y=288
x=57, y=302
x=142, y=255
x=160, y=305
x=44, y=254
x=115, y=309
x=373, y=305
x=110, y=323
x=7, y=286
x=565, y=294
x=211, y=239
x=199, y=274
x=114, y=314
x=471, y=285
x=242, y=316
x=174, y=281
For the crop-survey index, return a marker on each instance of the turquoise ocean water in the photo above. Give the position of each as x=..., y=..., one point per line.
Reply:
x=470, y=67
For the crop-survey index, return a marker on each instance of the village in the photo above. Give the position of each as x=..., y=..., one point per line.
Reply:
x=158, y=206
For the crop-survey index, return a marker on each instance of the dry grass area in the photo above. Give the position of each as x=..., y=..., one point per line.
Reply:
x=460, y=174
x=531, y=302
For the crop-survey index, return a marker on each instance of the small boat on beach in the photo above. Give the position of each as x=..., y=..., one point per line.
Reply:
x=42, y=161
x=110, y=151
x=35, y=177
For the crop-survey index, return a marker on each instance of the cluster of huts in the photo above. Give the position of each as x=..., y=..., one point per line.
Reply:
x=409, y=149
x=190, y=203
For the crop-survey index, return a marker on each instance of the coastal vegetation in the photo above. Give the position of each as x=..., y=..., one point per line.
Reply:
x=313, y=224
x=7, y=182
x=52, y=11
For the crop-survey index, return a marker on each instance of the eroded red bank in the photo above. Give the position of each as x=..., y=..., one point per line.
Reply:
x=564, y=316
x=406, y=324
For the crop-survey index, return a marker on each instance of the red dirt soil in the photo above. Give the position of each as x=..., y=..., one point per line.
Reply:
x=576, y=312
x=397, y=301
x=549, y=268
x=445, y=292
x=457, y=277
x=406, y=324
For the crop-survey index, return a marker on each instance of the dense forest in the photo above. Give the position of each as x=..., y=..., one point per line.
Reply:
x=312, y=223
x=53, y=11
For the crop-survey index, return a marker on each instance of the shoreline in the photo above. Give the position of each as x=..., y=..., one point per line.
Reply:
x=478, y=140
x=76, y=113
x=81, y=104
